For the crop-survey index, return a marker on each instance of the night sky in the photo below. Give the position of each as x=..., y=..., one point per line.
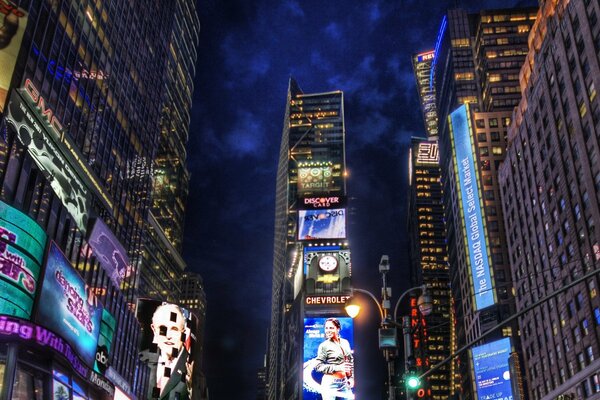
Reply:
x=248, y=51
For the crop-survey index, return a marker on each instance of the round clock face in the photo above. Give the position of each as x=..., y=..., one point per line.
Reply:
x=328, y=263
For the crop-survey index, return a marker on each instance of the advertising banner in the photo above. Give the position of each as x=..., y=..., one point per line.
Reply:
x=327, y=272
x=328, y=370
x=322, y=202
x=35, y=131
x=109, y=251
x=491, y=367
x=68, y=307
x=322, y=224
x=14, y=21
x=169, y=336
x=107, y=332
x=468, y=184
x=22, y=243
x=315, y=179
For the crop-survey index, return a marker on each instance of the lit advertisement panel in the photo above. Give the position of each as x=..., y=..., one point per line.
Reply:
x=169, y=336
x=428, y=153
x=320, y=202
x=108, y=325
x=491, y=367
x=318, y=178
x=468, y=184
x=68, y=306
x=327, y=271
x=328, y=369
x=322, y=224
x=109, y=251
x=13, y=26
x=35, y=133
x=22, y=243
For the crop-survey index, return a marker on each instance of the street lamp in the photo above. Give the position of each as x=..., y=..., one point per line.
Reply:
x=388, y=325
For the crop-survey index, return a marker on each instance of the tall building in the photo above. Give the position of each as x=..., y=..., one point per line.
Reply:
x=78, y=94
x=550, y=184
x=433, y=336
x=422, y=63
x=475, y=84
x=311, y=263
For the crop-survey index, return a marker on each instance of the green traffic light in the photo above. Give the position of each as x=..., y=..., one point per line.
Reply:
x=412, y=382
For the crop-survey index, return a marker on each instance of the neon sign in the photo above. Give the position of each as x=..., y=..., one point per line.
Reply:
x=428, y=153
x=325, y=300
x=27, y=331
x=436, y=53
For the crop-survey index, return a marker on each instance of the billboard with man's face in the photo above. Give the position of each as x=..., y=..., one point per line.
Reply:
x=68, y=307
x=328, y=370
x=169, y=337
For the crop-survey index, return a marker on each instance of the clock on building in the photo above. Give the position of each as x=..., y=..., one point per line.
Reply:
x=328, y=263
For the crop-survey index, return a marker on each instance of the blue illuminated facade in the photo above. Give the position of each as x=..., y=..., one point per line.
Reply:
x=492, y=370
x=471, y=211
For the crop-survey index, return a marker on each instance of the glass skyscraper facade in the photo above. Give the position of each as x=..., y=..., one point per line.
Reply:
x=81, y=128
x=311, y=262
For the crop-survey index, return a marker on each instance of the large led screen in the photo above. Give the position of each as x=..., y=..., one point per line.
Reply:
x=14, y=21
x=38, y=132
x=169, y=337
x=322, y=224
x=327, y=271
x=328, y=370
x=109, y=251
x=471, y=209
x=315, y=179
x=68, y=307
x=491, y=367
x=22, y=244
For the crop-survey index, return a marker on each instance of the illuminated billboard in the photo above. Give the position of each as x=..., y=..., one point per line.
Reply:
x=169, y=337
x=108, y=325
x=328, y=369
x=109, y=251
x=327, y=271
x=322, y=224
x=320, y=202
x=471, y=210
x=68, y=306
x=491, y=368
x=35, y=131
x=315, y=179
x=22, y=244
x=14, y=21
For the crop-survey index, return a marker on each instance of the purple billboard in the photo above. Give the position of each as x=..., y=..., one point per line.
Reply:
x=109, y=251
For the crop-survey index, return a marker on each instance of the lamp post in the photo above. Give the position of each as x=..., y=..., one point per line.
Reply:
x=387, y=330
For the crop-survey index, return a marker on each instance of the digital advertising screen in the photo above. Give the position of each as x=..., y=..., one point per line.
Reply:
x=22, y=243
x=14, y=21
x=315, y=179
x=491, y=368
x=327, y=271
x=108, y=325
x=322, y=202
x=169, y=336
x=328, y=369
x=109, y=251
x=464, y=163
x=322, y=224
x=68, y=307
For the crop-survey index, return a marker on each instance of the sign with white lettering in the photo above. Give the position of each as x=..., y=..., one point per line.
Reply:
x=326, y=300
x=68, y=306
x=15, y=328
x=471, y=211
x=322, y=202
x=492, y=372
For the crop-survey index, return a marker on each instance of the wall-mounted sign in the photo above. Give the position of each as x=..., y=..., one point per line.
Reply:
x=326, y=300
x=491, y=368
x=16, y=328
x=107, y=331
x=14, y=21
x=327, y=272
x=322, y=202
x=33, y=131
x=428, y=153
x=68, y=307
x=322, y=224
x=328, y=369
x=471, y=210
x=427, y=56
x=22, y=243
x=109, y=251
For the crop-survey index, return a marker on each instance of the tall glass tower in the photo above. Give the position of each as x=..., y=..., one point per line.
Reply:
x=311, y=263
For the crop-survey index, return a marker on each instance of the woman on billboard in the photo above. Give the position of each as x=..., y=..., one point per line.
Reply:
x=334, y=359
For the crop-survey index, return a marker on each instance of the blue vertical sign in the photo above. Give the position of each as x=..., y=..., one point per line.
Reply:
x=492, y=376
x=464, y=162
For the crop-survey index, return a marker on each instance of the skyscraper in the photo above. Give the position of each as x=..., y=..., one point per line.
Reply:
x=311, y=263
x=78, y=90
x=433, y=336
x=550, y=184
x=475, y=84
